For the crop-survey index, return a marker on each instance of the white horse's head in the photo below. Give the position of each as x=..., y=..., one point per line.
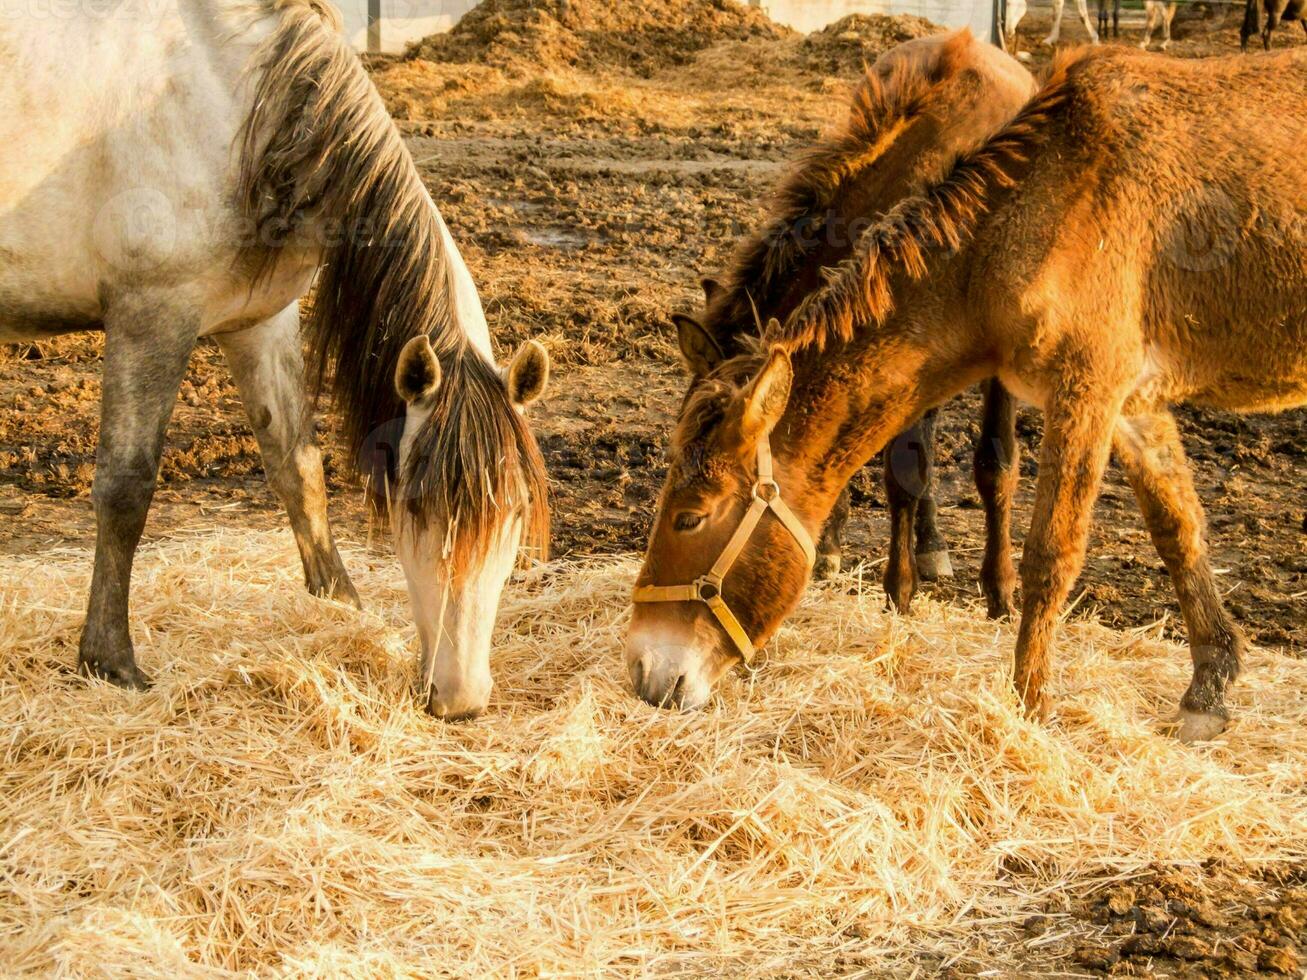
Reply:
x=468, y=491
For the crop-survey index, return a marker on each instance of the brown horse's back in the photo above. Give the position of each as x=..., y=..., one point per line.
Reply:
x=1169, y=199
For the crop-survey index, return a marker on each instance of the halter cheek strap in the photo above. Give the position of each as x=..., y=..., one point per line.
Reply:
x=707, y=588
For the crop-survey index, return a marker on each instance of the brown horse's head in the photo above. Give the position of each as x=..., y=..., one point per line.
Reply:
x=717, y=483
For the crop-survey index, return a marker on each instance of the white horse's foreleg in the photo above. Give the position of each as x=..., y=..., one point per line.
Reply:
x=1151, y=11
x=1082, y=7
x=1168, y=15
x=268, y=367
x=148, y=341
x=1059, y=7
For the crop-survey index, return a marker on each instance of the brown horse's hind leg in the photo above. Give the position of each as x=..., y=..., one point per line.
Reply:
x=1152, y=455
x=266, y=362
x=147, y=344
x=1074, y=453
x=932, y=557
x=996, y=473
x=829, y=548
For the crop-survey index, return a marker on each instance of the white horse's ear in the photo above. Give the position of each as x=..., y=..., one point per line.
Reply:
x=767, y=394
x=417, y=374
x=701, y=352
x=528, y=374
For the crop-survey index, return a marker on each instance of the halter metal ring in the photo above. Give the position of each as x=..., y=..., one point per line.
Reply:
x=708, y=586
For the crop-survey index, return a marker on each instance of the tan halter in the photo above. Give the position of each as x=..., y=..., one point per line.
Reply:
x=707, y=588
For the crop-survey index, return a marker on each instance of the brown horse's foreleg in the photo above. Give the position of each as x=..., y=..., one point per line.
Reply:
x=830, y=548
x=905, y=481
x=1152, y=455
x=268, y=367
x=932, y=550
x=996, y=470
x=1074, y=453
x=147, y=344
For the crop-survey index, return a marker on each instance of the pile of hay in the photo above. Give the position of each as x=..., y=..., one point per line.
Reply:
x=845, y=46
x=594, y=34
x=278, y=802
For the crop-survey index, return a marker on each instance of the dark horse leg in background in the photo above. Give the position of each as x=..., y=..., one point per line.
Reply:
x=1252, y=23
x=910, y=487
x=997, y=472
x=830, y=547
x=1103, y=20
x=909, y=462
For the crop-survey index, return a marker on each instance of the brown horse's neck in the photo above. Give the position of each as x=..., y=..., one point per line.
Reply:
x=848, y=401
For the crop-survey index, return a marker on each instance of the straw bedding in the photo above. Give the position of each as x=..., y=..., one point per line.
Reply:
x=279, y=804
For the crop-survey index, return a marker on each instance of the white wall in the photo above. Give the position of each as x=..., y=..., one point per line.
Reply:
x=812, y=15
x=403, y=21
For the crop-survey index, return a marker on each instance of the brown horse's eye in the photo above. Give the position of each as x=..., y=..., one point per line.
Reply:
x=687, y=520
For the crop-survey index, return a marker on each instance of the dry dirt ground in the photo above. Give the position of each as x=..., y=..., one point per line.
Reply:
x=587, y=204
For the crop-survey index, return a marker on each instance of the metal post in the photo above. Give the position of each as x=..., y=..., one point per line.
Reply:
x=374, y=26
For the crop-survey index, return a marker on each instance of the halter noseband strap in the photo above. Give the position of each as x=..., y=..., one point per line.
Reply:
x=707, y=588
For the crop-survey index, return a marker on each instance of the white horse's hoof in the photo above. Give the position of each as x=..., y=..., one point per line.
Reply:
x=1195, y=726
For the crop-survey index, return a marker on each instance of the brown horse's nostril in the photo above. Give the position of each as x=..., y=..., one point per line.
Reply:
x=678, y=692
x=637, y=677
x=472, y=714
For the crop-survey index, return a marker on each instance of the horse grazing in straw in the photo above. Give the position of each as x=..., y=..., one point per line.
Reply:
x=1202, y=299
x=227, y=153
x=919, y=106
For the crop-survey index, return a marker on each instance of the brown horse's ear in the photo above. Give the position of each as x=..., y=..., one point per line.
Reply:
x=417, y=374
x=767, y=395
x=528, y=373
x=711, y=289
x=700, y=350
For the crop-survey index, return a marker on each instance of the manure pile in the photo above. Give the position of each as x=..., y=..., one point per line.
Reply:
x=278, y=802
x=851, y=42
x=608, y=35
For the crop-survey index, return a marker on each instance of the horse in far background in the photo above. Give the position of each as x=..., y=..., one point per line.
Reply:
x=1276, y=12
x=1157, y=13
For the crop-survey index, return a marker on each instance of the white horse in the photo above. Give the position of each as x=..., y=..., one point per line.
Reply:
x=202, y=161
x=1016, y=9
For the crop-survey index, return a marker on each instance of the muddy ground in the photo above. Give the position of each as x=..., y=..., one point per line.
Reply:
x=587, y=204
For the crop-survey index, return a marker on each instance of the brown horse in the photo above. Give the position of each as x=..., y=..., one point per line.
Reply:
x=1202, y=299
x=920, y=105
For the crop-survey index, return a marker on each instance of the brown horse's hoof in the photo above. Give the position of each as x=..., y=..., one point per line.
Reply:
x=1000, y=607
x=1038, y=707
x=933, y=566
x=1197, y=726
x=125, y=675
x=827, y=567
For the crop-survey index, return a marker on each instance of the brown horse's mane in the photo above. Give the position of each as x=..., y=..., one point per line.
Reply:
x=858, y=292
x=880, y=107
x=707, y=401
x=318, y=148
